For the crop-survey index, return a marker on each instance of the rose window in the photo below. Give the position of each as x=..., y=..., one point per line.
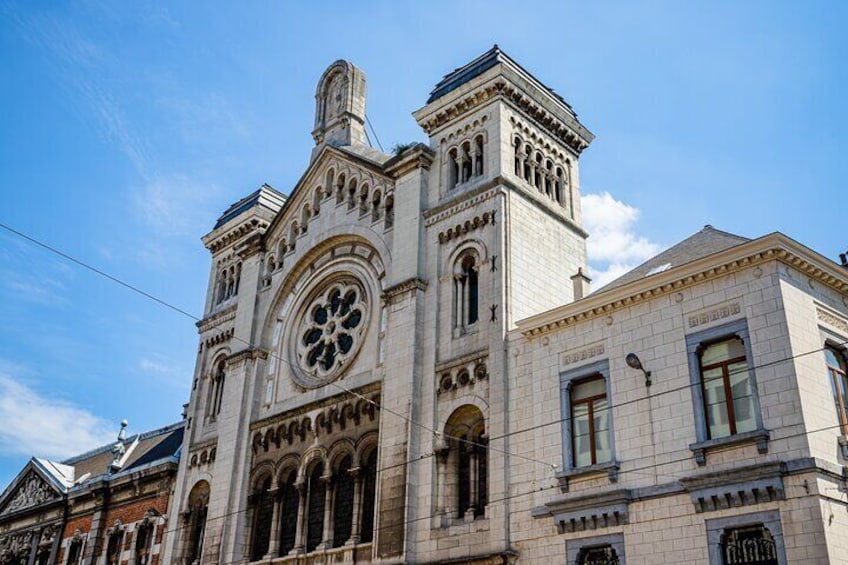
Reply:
x=332, y=329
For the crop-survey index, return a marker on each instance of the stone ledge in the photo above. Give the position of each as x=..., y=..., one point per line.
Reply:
x=610, y=468
x=760, y=437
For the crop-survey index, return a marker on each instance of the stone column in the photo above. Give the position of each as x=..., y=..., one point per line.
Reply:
x=300, y=531
x=356, y=527
x=473, y=476
x=329, y=490
x=274, y=542
x=441, y=478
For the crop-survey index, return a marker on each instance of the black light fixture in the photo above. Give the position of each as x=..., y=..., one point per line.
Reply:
x=634, y=362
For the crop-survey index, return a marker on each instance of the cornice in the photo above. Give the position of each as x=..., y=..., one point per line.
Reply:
x=773, y=247
x=404, y=287
x=218, y=318
x=417, y=157
x=468, y=200
x=501, y=88
x=215, y=242
x=248, y=353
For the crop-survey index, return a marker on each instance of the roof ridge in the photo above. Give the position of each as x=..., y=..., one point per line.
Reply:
x=107, y=447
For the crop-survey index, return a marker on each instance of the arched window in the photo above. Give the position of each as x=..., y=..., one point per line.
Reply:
x=351, y=195
x=343, y=502
x=375, y=206
x=558, y=186
x=363, y=200
x=465, y=161
x=519, y=158
x=143, y=542
x=216, y=389
x=390, y=211
x=466, y=293
x=838, y=378
x=368, y=470
x=262, y=503
x=478, y=155
x=453, y=167
x=464, y=465
x=538, y=174
x=114, y=546
x=340, y=188
x=528, y=166
x=316, y=201
x=305, y=215
x=74, y=552
x=728, y=394
x=330, y=177
x=289, y=503
x=316, y=489
x=198, y=507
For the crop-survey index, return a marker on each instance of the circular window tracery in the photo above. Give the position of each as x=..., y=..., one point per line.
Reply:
x=331, y=330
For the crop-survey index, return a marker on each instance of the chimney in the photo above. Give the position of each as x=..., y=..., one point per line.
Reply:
x=581, y=284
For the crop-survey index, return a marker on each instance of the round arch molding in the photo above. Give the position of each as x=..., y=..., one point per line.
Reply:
x=325, y=310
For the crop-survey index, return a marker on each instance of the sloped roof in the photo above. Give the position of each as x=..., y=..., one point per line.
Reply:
x=480, y=65
x=266, y=195
x=152, y=446
x=697, y=246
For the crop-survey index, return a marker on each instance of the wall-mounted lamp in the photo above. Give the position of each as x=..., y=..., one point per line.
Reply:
x=633, y=362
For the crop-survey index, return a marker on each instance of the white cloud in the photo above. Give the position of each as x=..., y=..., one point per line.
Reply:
x=613, y=246
x=176, y=205
x=35, y=425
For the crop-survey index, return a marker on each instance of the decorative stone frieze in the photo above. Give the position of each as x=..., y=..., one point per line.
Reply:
x=462, y=372
x=315, y=421
x=571, y=357
x=713, y=315
x=459, y=230
x=832, y=319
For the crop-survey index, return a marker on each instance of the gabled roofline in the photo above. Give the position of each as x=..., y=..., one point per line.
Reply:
x=771, y=247
x=314, y=165
x=32, y=465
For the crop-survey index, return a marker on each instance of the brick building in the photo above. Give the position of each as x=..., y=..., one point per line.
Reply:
x=107, y=506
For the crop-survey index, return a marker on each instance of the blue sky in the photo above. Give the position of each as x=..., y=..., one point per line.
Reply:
x=127, y=127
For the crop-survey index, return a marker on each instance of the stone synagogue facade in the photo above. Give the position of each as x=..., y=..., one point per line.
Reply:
x=401, y=362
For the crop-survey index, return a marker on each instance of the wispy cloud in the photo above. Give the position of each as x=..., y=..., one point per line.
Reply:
x=175, y=205
x=165, y=370
x=35, y=424
x=614, y=247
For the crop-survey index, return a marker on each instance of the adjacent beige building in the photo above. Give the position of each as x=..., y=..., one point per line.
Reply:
x=400, y=363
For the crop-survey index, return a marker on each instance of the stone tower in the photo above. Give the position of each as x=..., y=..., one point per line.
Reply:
x=351, y=370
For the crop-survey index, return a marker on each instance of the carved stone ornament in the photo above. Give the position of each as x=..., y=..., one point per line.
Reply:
x=32, y=492
x=330, y=332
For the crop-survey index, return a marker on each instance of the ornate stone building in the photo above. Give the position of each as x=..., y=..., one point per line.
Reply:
x=400, y=362
x=107, y=506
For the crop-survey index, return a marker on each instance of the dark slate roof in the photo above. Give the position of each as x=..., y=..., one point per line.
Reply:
x=477, y=67
x=702, y=244
x=263, y=196
x=152, y=446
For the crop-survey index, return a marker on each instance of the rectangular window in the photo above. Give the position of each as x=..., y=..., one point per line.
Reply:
x=590, y=422
x=587, y=427
x=838, y=384
x=728, y=398
x=724, y=389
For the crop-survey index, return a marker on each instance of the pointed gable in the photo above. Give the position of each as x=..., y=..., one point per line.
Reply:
x=30, y=489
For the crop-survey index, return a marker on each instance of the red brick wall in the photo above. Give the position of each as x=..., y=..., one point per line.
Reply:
x=134, y=510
